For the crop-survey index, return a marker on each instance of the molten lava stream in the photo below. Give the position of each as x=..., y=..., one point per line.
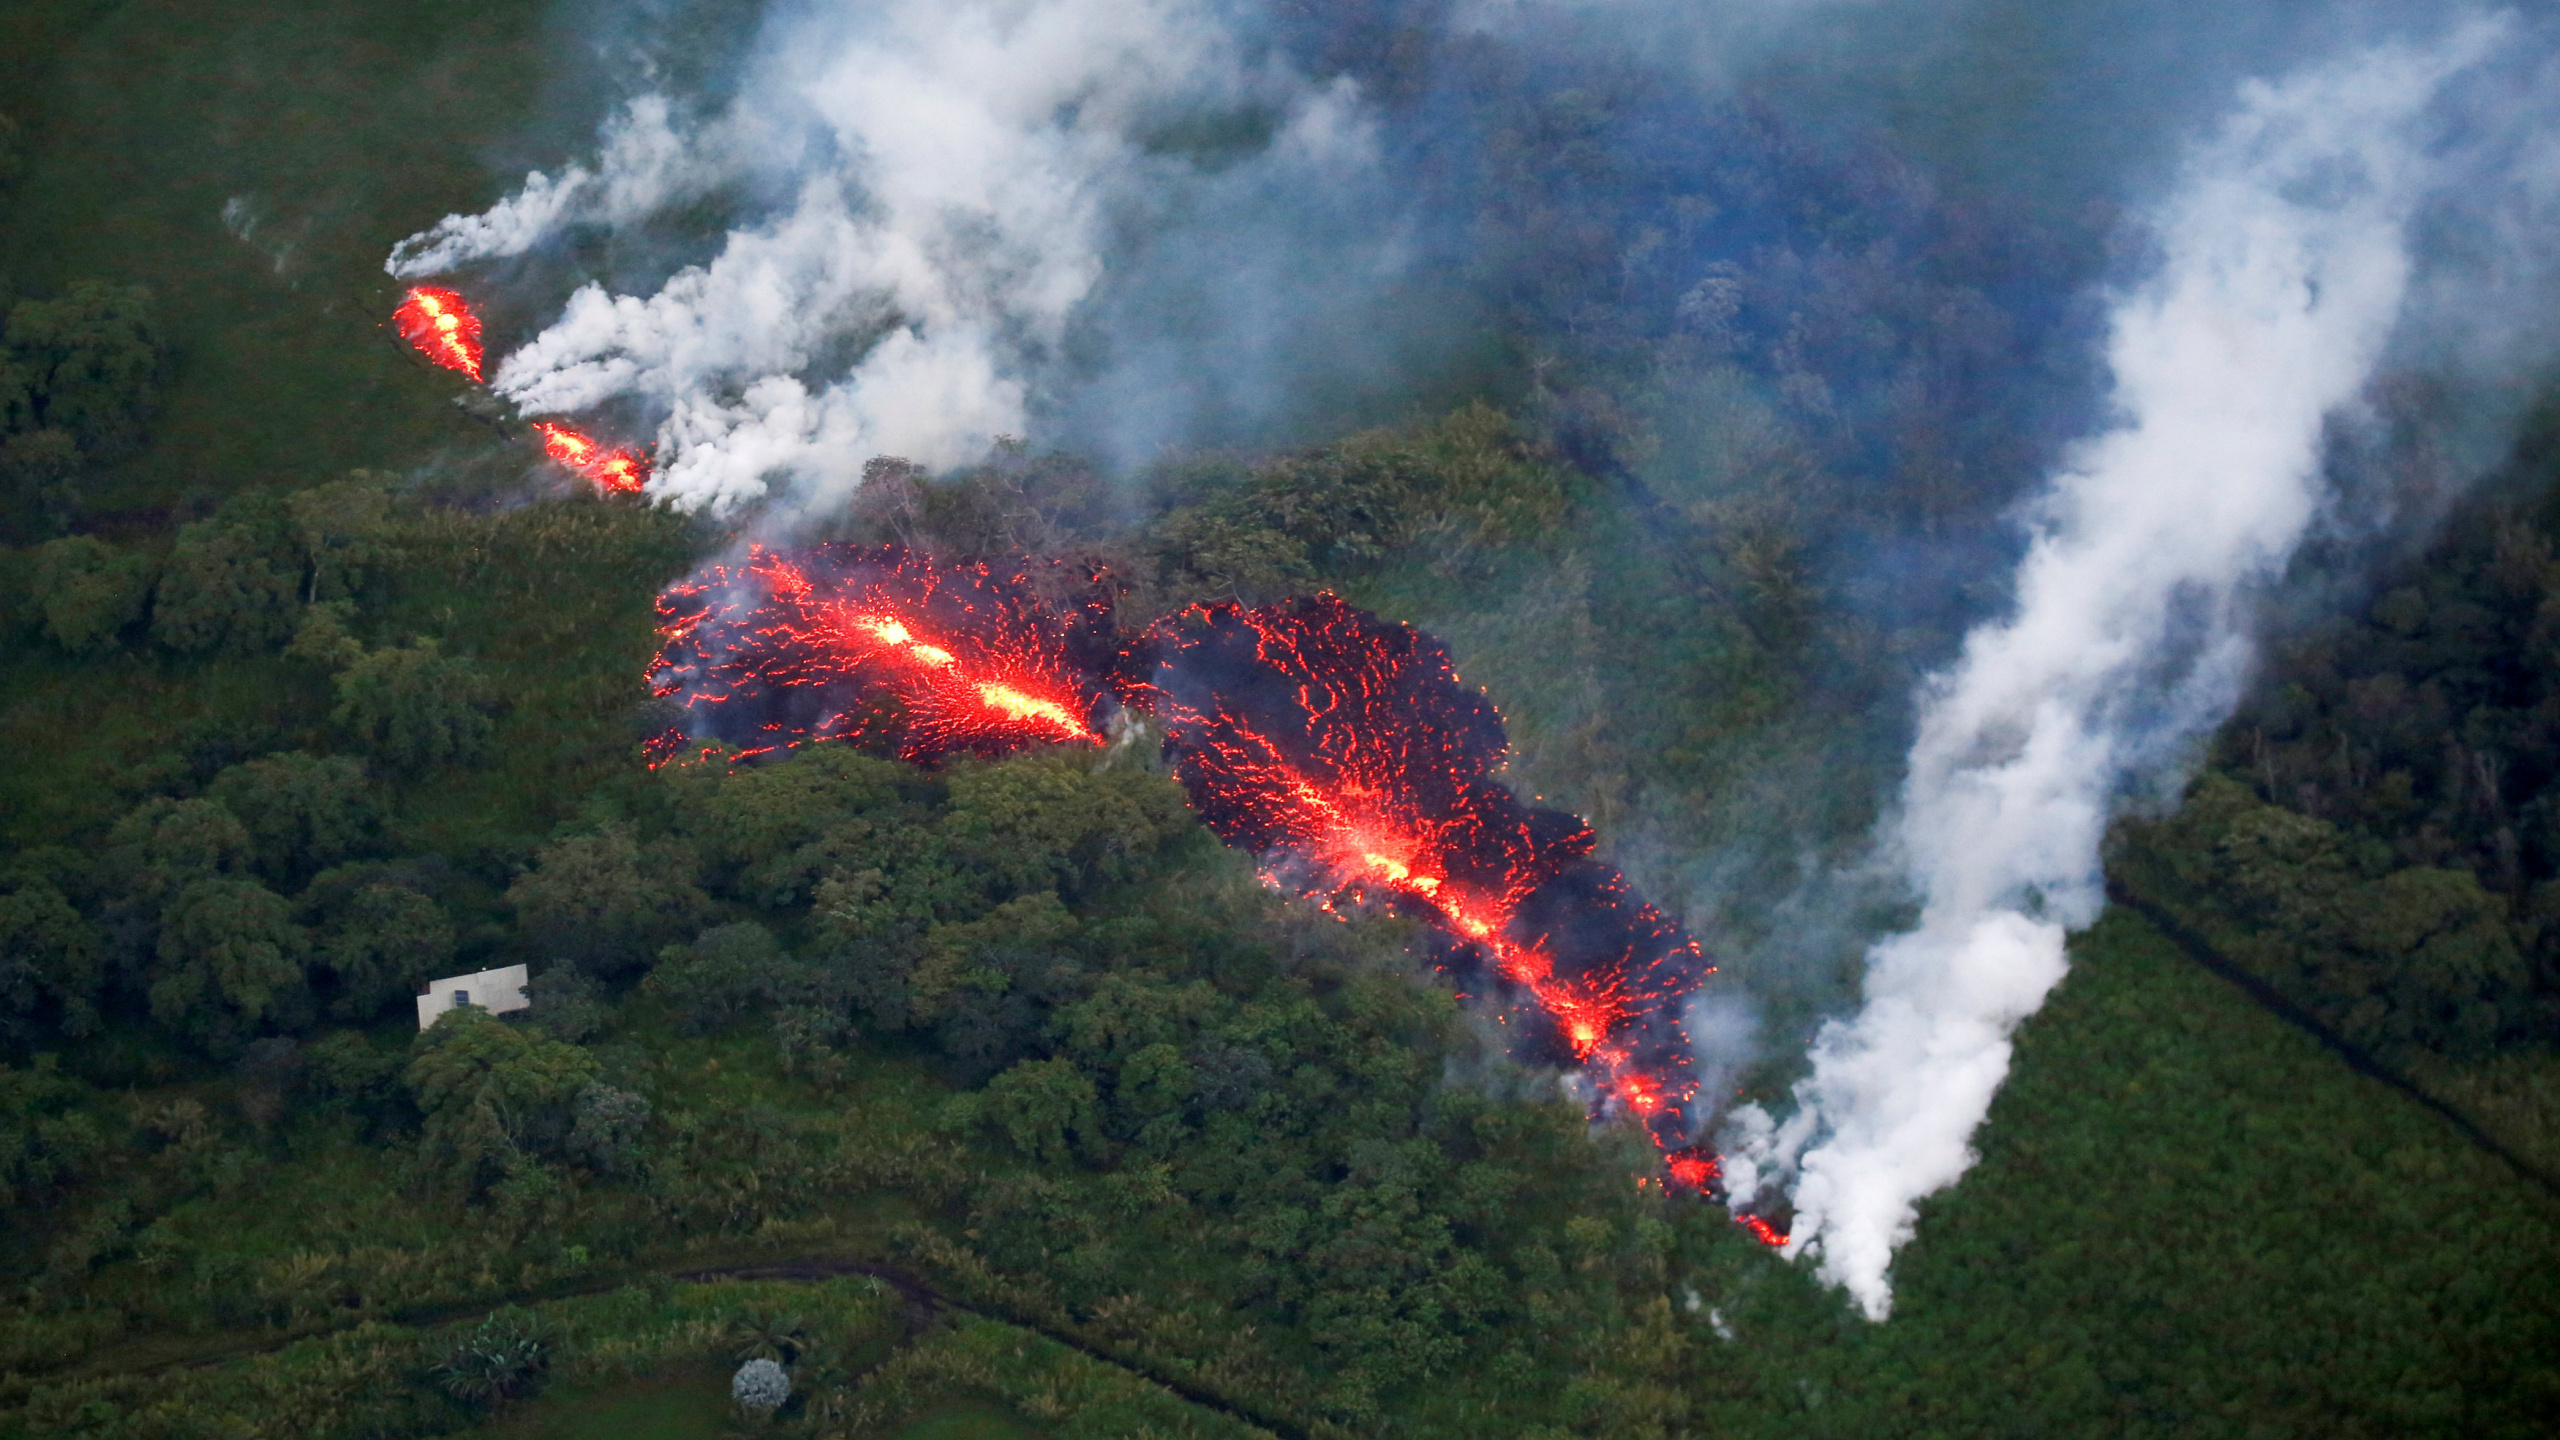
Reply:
x=616, y=472
x=442, y=328
x=843, y=643
x=1342, y=750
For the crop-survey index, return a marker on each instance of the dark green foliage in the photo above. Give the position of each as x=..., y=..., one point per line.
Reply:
x=605, y=903
x=377, y=938
x=303, y=812
x=2397, y=960
x=502, y=1357
x=49, y=963
x=230, y=961
x=91, y=362
x=1469, y=481
x=727, y=970
x=41, y=469
x=767, y=833
x=344, y=1071
x=1055, y=819
x=768, y=1335
x=413, y=707
x=496, y=1099
x=48, y=1132
x=1044, y=1106
x=231, y=584
x=344, y=529
x=606, y=1134
x=164, y=845
x=89, y=591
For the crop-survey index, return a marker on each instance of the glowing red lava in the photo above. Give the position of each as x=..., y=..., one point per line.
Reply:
x=1338, y=748
x=616, y=472
x=442, y=328
x=843, y=642
x=1342, y=751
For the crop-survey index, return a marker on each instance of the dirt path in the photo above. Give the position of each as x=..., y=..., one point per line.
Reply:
x=926, y=1303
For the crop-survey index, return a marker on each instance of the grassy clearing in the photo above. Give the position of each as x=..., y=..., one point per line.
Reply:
x=327, y=133
x=689, y=1402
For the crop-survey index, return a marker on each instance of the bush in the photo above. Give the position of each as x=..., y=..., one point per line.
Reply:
x=760, y=1385
x=303, y=812
x=414, y=707
x=501, y=1357
x=92, y=362
x=604, y=903
x=227, y=588
x=89, y=591
x=42, y=469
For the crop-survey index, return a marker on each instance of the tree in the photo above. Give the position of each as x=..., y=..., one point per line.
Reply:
x=230, y=960
x=92, y=361
x=603, y=902
x=495, y=1097
x=342, y=527
x=380, y=943
x=1050, y=818
x=48, y=1133
x=771, y=830
x=48, y=956
x=414, y=707
x=1043, y=1106
x=42, y=469
x=164, y=845
x=226, y=587
x=89, y=591
x=608, y=1127
x=726, y=970
x=769, y=1335
x=303, y=812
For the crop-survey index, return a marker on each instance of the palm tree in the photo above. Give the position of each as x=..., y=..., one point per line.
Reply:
x=769, y=1335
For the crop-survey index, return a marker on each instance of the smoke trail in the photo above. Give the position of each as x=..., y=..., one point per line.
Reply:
x=948, y=180
x=2285, y=262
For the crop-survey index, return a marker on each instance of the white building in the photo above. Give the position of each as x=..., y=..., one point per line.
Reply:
x=496, y=991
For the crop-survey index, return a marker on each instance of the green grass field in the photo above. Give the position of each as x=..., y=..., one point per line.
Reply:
x=328, y=133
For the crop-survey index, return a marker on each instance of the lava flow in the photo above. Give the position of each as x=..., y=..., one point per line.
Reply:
x=442, y=328
x=439, y=323
x=1338, y=748
x=616, y=472
x=841, y=642
x=1341, y=750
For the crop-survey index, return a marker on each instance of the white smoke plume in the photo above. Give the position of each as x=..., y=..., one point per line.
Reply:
x=950, y=175
x=2285, y=261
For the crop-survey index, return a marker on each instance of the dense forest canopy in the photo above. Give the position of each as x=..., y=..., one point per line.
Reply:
x=857, y=1096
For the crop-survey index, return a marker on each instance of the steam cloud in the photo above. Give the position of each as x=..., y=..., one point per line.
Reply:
x=949, y=176
x=2285, y=262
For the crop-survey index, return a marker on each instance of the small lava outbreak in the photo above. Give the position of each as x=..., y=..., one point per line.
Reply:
x=440, y=325
x=442, y=328
x=872, y=644
x=1341, y=750
x=616, y=472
